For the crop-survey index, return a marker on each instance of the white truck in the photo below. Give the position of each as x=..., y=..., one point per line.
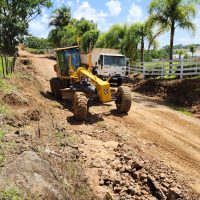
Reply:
x=108, y=63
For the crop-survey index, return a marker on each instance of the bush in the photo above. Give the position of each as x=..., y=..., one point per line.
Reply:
x=35, y=51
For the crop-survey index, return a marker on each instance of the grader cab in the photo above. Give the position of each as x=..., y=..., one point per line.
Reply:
x=78, y=84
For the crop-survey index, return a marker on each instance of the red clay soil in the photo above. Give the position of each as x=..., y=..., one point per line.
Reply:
x=185, y=93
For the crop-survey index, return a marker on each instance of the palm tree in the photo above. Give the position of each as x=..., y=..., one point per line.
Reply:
x=173, y=14
x=144, y=31
x=114, y=36
x=61, y=17
x=130, y=42
x=180, y=52
x=192, y=50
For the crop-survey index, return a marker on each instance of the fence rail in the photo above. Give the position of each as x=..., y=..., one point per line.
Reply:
x=180, y=68
x=7, y=65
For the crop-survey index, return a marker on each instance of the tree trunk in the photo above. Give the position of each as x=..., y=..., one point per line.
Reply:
x=9, y=43
x=171, y=43
x=142, y=51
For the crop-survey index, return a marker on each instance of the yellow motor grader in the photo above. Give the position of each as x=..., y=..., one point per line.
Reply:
x=78, y=83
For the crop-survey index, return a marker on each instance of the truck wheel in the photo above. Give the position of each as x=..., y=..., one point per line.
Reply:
x=119, y=83
x=56, y=86
x=80, y=106
x=123, y=99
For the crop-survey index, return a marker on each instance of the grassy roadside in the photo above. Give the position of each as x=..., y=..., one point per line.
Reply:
x=35, y=51
x=63, y=144
x=1, y=59
x=3, y=63
x=185, y=111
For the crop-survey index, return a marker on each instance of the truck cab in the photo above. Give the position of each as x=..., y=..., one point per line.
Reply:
x=113, y=66
x=108, y=63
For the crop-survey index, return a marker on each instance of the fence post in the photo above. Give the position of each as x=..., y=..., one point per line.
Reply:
x=143, y=71
x=196, y=68
x=162, y=72
x=6, y=64
x=181, y=75
x=3, y=69
x=13, y=64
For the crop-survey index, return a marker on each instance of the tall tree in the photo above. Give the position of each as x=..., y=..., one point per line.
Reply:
x=89, y=39
x=192, y=50
x=114, y=36
x=173, y=14
x=144, y=32
x=101, y=41
x=14, y=19
x=54, y=37
x=180, y=53
x=130, y=42
x=68, y=36
x=60, y=17
x=36, y=43
x=84, y=25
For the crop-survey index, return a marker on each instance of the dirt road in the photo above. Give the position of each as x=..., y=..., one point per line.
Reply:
x=156, y=130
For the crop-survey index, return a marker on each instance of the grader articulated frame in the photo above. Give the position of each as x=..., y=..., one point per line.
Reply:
x=74, y=82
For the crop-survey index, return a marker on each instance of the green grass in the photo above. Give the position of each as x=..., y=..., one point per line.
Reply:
x=71, y=138
x=2, y=133
x=35, y=51
x=5, y=87
x=159, y=64
x=10, y=60
x=2, y=158
x=185, y=111
x=2, y=155
x=1, y=65
x=79, y=190
x=11, y=194
x=5, y=110
x=59, y=135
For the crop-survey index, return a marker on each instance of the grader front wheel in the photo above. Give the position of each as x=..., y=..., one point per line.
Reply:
x=123, y=99
x=80, y=106
x=56, y=86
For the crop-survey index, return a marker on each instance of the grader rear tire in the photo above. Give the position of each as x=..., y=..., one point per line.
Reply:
x=52, y=85
x=80, y=106
x=123, y=99
x=56, y=86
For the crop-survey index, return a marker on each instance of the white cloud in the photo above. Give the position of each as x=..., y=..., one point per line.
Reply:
x=39, y=26
x=90, y=13
x=135, y=13
x=59, y=3
x=70, y=3
x=114, y=7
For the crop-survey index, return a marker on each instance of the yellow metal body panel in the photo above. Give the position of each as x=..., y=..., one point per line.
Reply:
x=61, y=49
x=103, y=87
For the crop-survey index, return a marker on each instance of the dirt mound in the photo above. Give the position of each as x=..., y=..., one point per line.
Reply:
x=15, y=98
x=33, y=176
x=180, y=93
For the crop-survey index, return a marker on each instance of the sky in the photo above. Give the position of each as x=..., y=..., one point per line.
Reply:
x=108, y=12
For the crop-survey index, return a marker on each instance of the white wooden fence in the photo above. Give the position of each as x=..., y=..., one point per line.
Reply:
x=162, y=69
